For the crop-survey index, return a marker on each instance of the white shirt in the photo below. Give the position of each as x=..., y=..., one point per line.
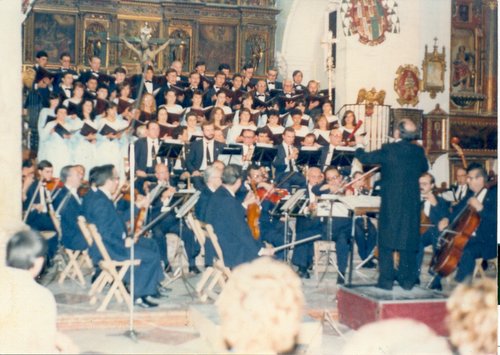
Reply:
x=288, y=151
x=210, y=145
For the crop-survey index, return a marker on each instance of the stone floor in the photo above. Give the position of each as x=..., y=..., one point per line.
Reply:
x=166, y=329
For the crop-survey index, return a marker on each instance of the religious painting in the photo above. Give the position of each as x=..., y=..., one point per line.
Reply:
x=255, y=52
x=55, y=34
x=407, y=85
x=435, y=131
x=463, y=61
x=369, y=19
x=131, y=30
x=181, y=49
x=433, y=68
x=95, y=41
x=476, y=133
x=217, y=44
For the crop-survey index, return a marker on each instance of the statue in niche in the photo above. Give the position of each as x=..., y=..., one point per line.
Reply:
x=256, y=49
x=180, y=51
x=94, y=42
x=462, y=69
x=145, y=53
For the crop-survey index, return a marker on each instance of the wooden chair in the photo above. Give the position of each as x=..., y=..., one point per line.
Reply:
x=77, y=258
x=478, y=269
x=214, y=278
x=113, y=272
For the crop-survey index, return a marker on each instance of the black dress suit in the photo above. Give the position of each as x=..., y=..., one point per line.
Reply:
x=99, y=210
x=227, y=216
x=402, y=164
x=282, y=170
x=59, y=74
x=69, y=209
x=194, y=159
x=483, y=243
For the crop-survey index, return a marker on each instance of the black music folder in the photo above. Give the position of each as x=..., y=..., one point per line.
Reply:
x=170, y=149
x=263, y=155
x=309, y=156
x=87, y=130
x=61, y=130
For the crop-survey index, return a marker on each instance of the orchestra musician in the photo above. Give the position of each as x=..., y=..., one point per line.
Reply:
x=160, y=196
x=460, y=188
x=101, y=211
x=145, y=154
x=403, y=162
x=227, y=215
x=285, y=160
x=68, y=206
x=36, y=203
x=482, y=244
x=434, y=208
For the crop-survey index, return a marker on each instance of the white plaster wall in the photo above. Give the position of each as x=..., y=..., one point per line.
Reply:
x=301, y=26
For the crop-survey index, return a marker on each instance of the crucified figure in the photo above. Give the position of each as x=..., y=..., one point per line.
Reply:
x=145, y=53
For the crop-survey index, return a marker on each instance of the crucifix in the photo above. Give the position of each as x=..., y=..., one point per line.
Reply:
x=327, y=43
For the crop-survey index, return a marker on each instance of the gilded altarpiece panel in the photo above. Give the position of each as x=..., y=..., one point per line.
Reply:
x=217, y=44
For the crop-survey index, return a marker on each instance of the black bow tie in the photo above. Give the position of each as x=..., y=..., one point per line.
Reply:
x=261, y=95
x=270, y=83
x=148, y=81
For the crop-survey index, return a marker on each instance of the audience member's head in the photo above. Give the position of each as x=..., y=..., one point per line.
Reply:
x=396, y=336
x=472, y=317
x=26, y=250
x=261, y=308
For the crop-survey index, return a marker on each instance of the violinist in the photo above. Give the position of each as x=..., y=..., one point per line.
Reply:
x=482, y=244
x=160, y=197
x=433, y=209
x=271, y=229
x=37, y=203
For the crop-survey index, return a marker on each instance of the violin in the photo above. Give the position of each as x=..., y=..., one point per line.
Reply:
x=53, y=184
x=273, y=195
x=83, y=189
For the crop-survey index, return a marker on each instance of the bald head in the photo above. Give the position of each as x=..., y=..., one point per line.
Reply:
x=407, y=130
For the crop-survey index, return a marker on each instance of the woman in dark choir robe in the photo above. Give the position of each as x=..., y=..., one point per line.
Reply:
x=321, y=131
x=74, y=104
x=197, y=104
x=333, y=121
x=247, y=102
x=85, y=149
x=147, y=109
x=300, y=130
x=348, y=124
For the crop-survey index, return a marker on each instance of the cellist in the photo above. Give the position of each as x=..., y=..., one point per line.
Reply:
x=482, y=244
x=433, y=209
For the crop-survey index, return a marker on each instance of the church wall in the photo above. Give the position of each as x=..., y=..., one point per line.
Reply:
x=360, y=65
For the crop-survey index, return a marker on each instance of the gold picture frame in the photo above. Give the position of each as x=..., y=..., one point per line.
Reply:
x=433, y=69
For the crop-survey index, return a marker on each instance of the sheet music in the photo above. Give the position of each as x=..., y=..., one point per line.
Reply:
x=353, y=202
x=338, y=209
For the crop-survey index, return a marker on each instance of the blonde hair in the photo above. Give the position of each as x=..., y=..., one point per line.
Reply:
x=152, y=107
x=396, y=336
x=472, y=317
x=261, y=307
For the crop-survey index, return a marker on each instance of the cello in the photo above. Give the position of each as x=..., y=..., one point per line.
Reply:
x=453, y=239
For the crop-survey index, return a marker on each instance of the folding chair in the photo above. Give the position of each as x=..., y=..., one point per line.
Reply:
x=113, y=272
x=216, y=275
x=77, y=259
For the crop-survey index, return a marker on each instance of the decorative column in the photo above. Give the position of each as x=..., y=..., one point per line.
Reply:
x=10, y=134
x=491, y=56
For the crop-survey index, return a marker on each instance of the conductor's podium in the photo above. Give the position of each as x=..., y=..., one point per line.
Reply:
x=362, y=304
x=205, y=319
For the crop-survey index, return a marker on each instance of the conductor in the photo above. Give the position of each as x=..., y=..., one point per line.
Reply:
x=402, y=163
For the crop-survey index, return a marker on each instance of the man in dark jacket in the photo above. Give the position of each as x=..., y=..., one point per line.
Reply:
x=402, y=163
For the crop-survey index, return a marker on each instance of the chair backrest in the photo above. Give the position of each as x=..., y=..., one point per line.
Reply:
x=99, y=243
x=82, y=223
x=215, y=241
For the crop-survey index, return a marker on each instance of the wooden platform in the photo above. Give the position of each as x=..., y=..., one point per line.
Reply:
x=205, y=320
x=359, y=305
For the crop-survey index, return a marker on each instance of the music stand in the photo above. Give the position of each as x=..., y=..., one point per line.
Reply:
x=342, y=160
x=169, y=150
x=230, y=150
x=264, y=155
x=285, y=210
x=308, y=157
